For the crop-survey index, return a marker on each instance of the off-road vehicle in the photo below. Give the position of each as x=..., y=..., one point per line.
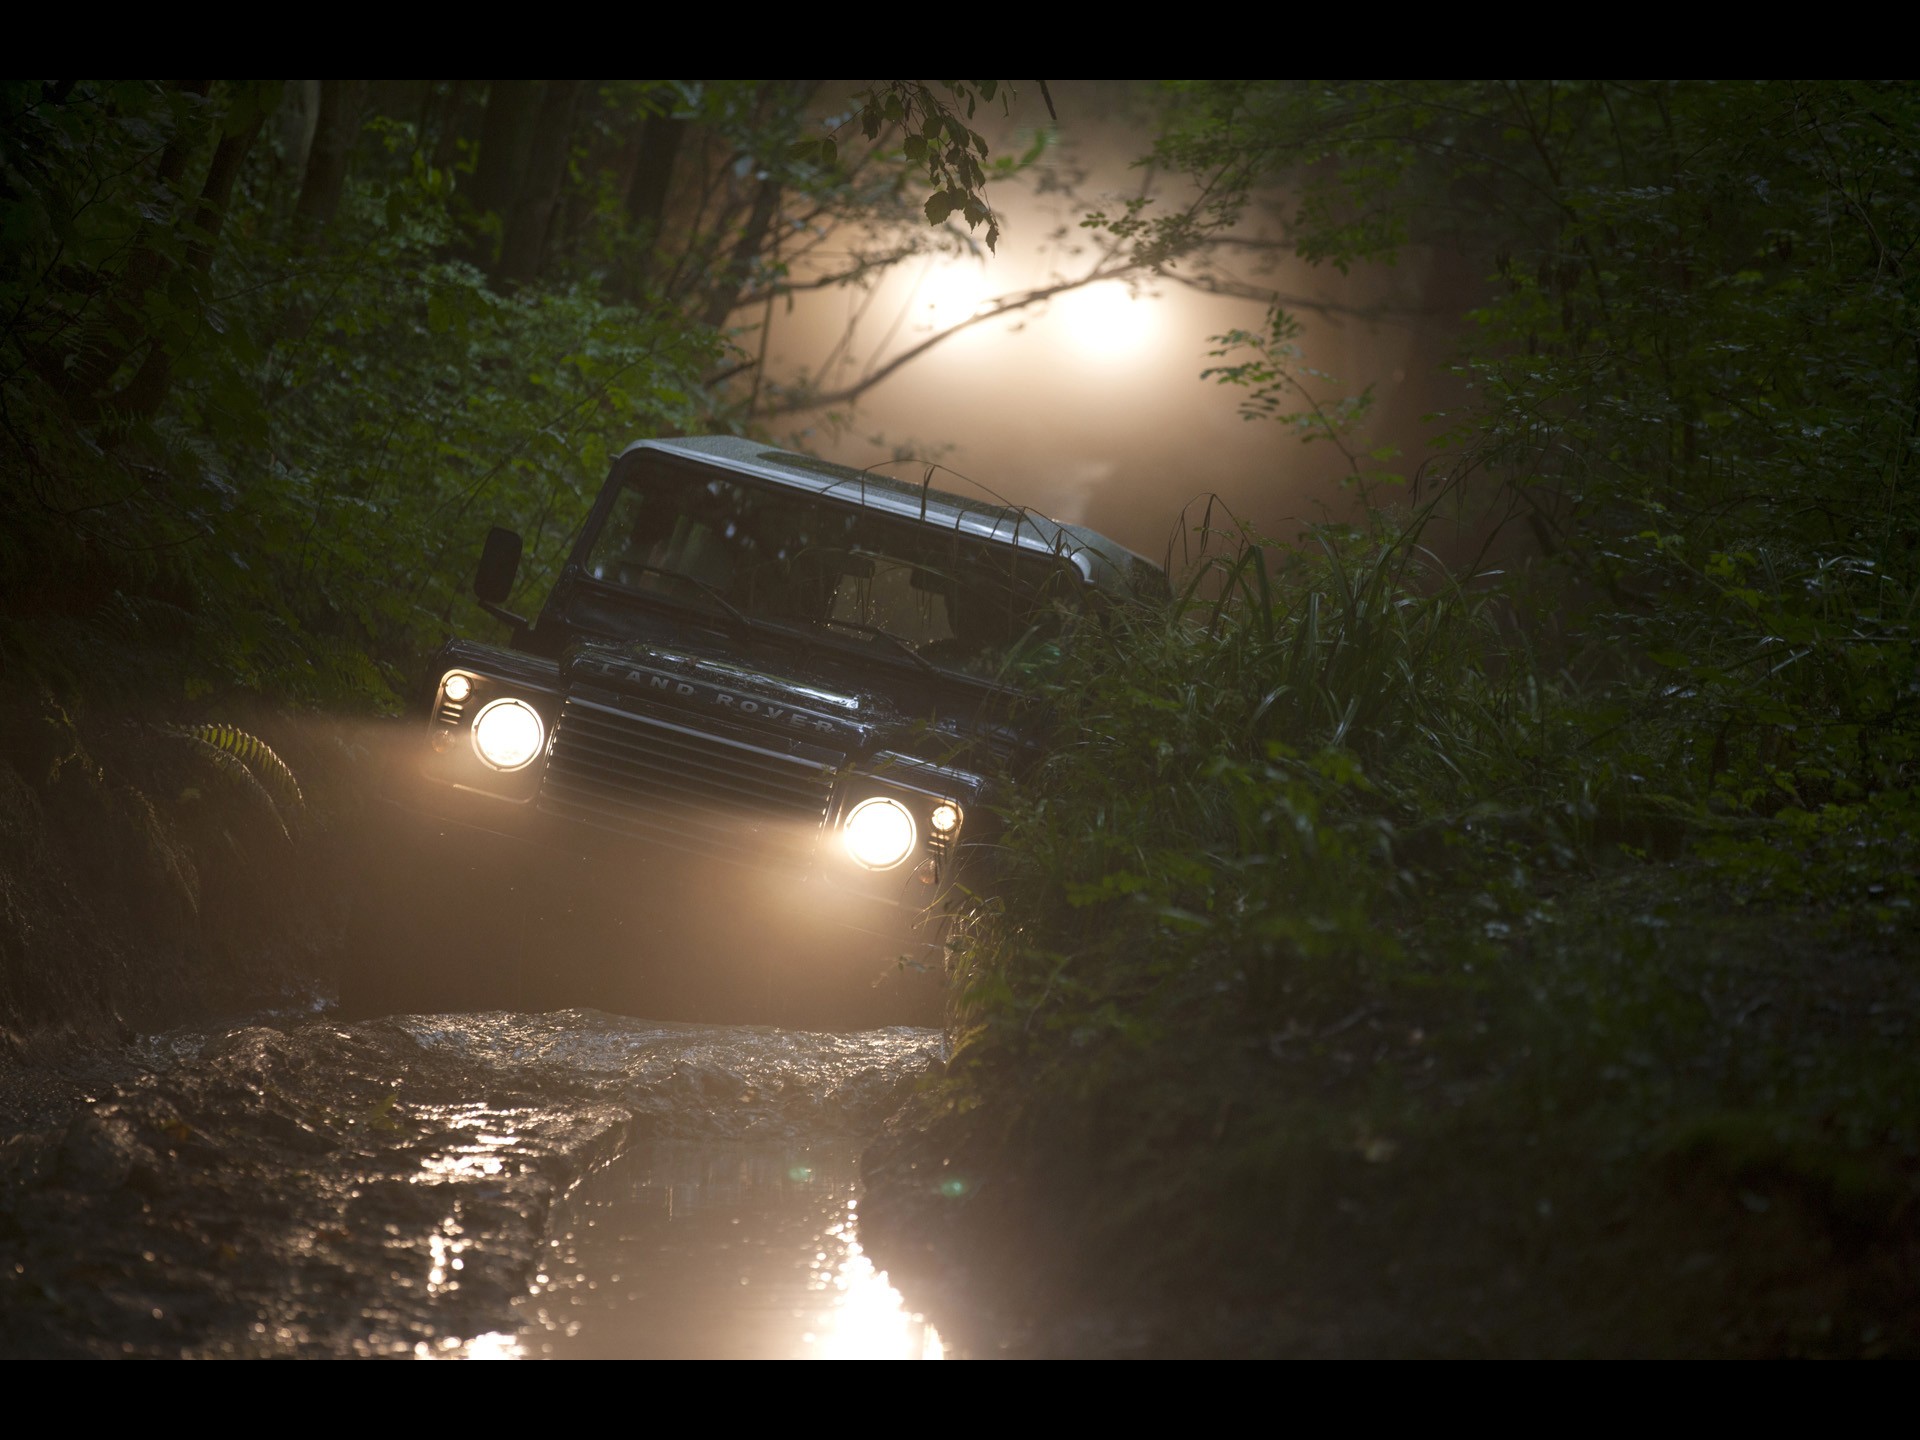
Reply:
x=738, y=763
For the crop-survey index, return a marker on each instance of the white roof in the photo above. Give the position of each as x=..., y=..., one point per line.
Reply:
x=1105, y=562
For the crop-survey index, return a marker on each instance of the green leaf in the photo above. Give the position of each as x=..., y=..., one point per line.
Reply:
x=940, y=205
x=442, y=313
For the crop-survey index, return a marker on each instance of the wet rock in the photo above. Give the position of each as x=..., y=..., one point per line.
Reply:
x=99, y=1152
x=26, y=1161
x=295, y=1134
x=257, y=1052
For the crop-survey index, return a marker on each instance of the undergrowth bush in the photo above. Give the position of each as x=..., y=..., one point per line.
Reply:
x=293, y=508
x=1690, y=373
x=1251, y=794
x=1335, y=773
x=151, y=872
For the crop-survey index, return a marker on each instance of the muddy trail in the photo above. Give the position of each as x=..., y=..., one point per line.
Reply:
x=471, y=1185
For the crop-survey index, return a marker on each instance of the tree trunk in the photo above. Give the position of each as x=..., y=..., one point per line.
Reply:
x=299, y=117
x=446, y=146
x=604, y=159
x=506, y=133
x=109, y=342
x=660, y=141
x=334, y=131
x=148, y=389
x=652, y=182
x=524, y=241
x=726, y=291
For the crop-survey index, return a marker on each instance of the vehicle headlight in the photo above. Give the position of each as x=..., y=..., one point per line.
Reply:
x=507, y=734
x=456, y=687
x=879, y=832
x=945, y=817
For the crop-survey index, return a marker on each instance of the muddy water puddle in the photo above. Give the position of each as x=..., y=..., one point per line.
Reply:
x=729, y=1228
x=566, y=1184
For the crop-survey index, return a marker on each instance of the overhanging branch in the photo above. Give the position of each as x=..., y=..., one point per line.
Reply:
x=999, y=308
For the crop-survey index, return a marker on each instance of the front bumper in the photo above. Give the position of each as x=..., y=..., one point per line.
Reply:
x=565, y=867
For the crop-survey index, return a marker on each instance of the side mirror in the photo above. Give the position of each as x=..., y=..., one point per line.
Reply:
x=499, y=563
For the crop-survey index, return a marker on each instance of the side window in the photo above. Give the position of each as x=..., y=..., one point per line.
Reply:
x=627, y=541
x=651, y=530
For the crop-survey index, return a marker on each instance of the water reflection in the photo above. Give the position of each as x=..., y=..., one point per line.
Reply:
x=718, y=1250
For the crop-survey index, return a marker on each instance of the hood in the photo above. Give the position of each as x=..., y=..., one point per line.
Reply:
x=797, y=701
x=764, y=698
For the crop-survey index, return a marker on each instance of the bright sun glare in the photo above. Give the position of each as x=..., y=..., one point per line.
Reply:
x=1099, y=320
x=1105, y=319
x=949, y=294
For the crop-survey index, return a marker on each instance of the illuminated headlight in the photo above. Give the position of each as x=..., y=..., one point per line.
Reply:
x=507, y=734
x=457, y=687
x=879, y=833
x=945, y=818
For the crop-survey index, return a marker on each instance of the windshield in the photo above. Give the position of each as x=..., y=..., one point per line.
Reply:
x=796, y=561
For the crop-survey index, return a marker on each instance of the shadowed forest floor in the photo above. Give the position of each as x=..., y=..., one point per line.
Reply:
x=1660, y=1124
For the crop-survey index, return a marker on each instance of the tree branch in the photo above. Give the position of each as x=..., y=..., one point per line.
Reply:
x=1006, y=306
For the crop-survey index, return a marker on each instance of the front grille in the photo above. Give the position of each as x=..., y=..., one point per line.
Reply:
x=716, y=795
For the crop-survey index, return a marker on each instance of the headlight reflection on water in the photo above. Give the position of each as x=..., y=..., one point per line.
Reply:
x=494, y=1345
x=864, y=1318
x=719, y=1250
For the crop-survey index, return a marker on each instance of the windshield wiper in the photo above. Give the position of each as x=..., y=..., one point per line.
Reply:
x=746, y=620
x=903, y=646
x=749, y=623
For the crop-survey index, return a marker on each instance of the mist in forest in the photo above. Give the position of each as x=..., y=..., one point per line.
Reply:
x=1092, y=406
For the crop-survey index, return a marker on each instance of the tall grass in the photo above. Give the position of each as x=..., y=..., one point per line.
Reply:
x=1247, y=792
x=1257, y=799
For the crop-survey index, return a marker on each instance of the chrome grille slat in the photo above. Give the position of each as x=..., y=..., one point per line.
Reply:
x=764, y=786
x=666, y=755
x=647, y=776
x=654, y=785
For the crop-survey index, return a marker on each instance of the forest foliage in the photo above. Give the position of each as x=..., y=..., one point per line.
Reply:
x=1694, y=379
x=1346, y=784
x=276, y=353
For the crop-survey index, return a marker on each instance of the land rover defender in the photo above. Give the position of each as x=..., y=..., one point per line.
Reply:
x=739, y=764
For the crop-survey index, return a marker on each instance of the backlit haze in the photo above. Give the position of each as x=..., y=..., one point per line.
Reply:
x=1089, y=407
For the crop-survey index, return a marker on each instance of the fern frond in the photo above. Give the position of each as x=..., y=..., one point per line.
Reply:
x=248, y=765
x=267, y=768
